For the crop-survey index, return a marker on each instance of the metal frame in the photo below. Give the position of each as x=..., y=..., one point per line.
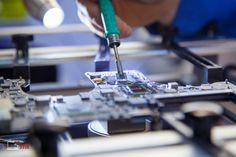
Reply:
x=206, y=70
x=134, y=50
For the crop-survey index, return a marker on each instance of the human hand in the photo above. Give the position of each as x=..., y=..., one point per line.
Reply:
x=129, y=14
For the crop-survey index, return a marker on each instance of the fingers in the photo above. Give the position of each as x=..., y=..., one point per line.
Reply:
x=124, y=28
x=89, y=13
x=93, y=26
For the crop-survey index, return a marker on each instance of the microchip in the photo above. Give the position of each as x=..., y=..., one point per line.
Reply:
x=173, y=85
x=60, y=99
x=137, y=89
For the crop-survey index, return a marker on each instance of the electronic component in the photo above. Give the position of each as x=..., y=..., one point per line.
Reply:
x=84, y=96
x=43, y=100
x=60, y=99
x=98, y=80
x=136, y=89
x=173, y=85
x=20, y=102
x=5, y=85
x=1, y=80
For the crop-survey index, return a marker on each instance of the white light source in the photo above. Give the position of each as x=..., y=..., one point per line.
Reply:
x=53, y=18
x=48, y=12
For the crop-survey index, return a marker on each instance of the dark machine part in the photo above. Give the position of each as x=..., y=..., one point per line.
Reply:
x=206, y=70
x=22, y=47
x=202, y=116
x=230, y=73
x=196, y=123
x=44, y=139
x=21, y=67
x=102, y=59
x=210, y=30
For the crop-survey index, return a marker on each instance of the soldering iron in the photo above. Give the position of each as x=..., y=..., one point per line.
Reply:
x=112, y=33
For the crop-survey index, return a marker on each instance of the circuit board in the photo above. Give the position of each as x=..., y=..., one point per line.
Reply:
x=111, y=99
x=122, y=102
x=136, y=84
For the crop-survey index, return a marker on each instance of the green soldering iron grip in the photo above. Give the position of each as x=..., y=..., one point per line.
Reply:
x=108, y=18
x=111, y=31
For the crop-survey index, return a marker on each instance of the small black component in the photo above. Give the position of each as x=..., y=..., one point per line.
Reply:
x=95, y=76
x=1, y=80
x=202, y=116
x=173, y=85
x=44, y=139
x=60, y=99
x=5, y=85
x=26, y=86
x=84, y=96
